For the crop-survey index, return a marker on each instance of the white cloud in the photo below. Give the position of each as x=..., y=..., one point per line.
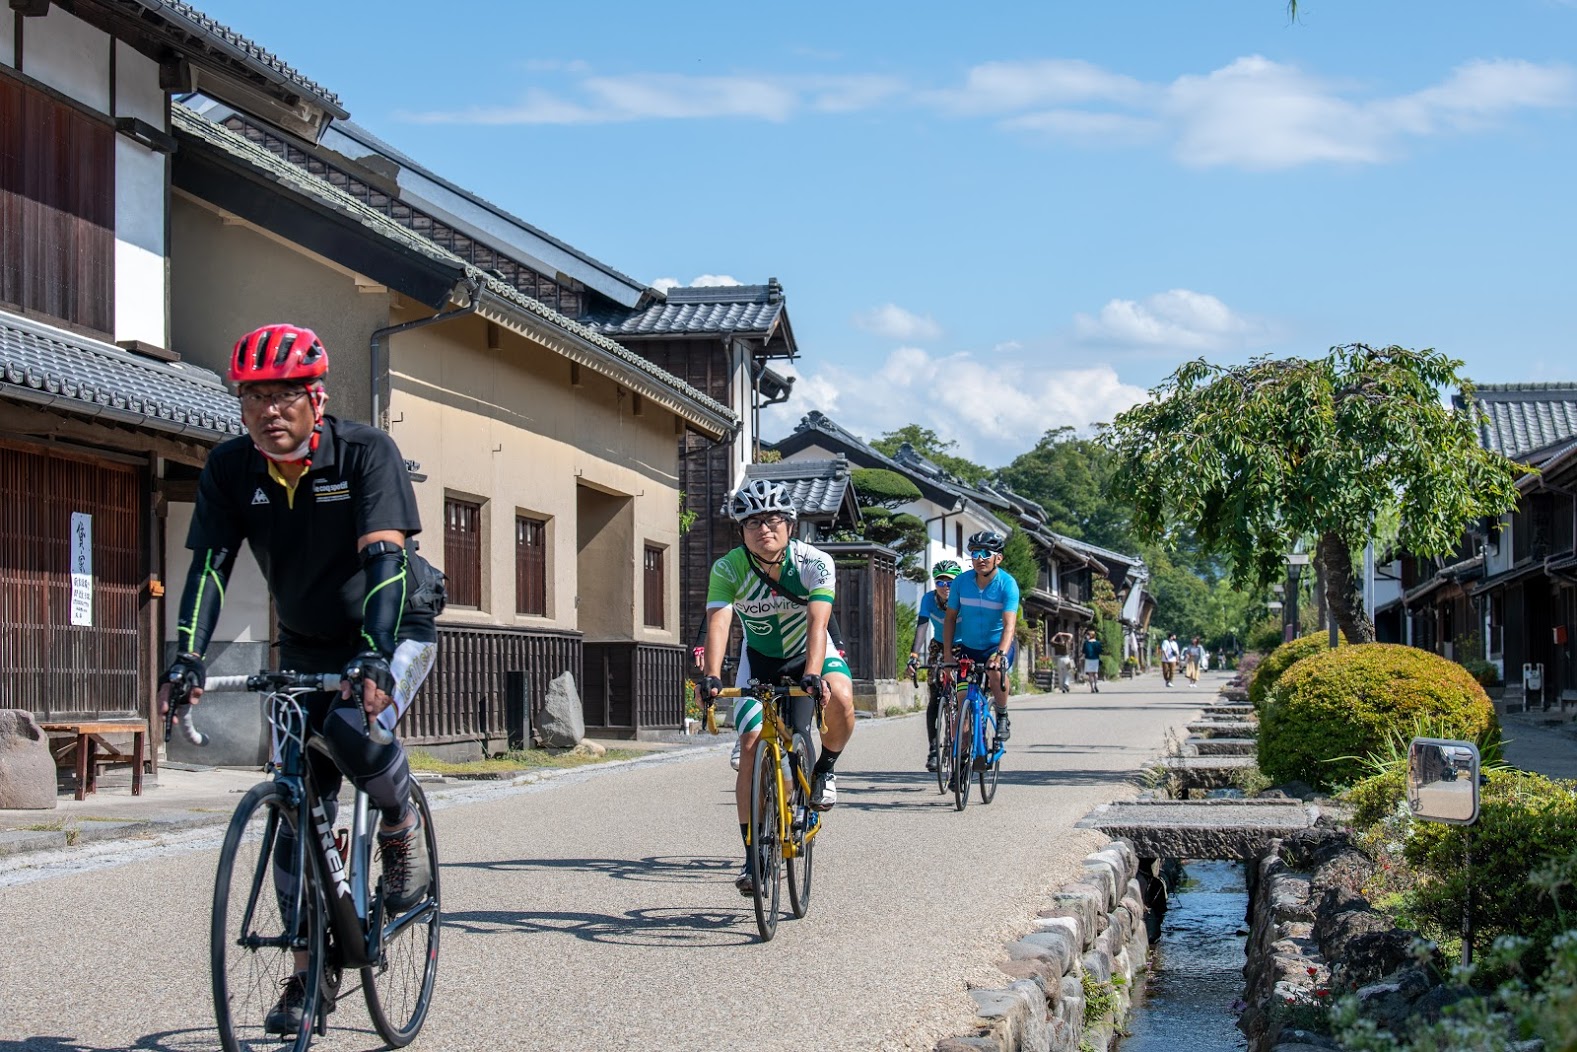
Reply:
x=1177, y=320
x=1252, y=113
x=895, y=323
x=669, y=96
x=700, y=281
x=1025, y=401
x=664, y=284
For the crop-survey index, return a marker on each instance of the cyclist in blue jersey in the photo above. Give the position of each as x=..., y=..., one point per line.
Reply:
x=982, y=613
x=931, y=615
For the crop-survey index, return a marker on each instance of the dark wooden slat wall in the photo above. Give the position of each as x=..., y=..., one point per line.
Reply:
x=466, y=697
x=57, y=208
x=632, y=687
x=49, y=666
x=530, y=566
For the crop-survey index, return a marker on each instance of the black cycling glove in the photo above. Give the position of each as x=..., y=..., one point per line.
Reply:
x=710, y=687
x=811, y=684
x=186, y=671
x=370, y=664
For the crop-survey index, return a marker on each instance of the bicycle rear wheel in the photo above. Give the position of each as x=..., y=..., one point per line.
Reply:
x=766, y=846
x=963, y=752
x=399, y=988
x=251, y=941
x=944, y=744
x=804, y=819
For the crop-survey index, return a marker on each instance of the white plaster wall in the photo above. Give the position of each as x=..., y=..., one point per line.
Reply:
x=7, y=41
x=69, y=55
x=245, y=615
x=141, y=291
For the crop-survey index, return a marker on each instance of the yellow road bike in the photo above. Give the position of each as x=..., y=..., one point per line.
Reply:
x=783, y=826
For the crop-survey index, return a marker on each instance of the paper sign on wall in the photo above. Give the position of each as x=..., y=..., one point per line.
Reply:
x=81, y=568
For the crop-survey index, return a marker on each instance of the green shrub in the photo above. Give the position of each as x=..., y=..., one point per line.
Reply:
x=1483, y=671
x=1278, y=661
x=1264, y=636
x=1524, y=845
x=1331, y=711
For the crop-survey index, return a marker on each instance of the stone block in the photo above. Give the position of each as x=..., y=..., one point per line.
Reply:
x=1070, y=926
x=1016, y=1016
x=1084, y=901
x=1055, y=946
x=1098, y=964
x=562, y=722
x=1124, y=859
x=27, y=768
x=1103, y=874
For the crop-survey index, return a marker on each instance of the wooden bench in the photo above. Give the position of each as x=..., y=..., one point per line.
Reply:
x=82, y=743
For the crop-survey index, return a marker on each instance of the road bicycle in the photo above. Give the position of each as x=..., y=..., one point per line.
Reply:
x=783, y=825
x=334, y=911
x=946, y=720
x=976, y=748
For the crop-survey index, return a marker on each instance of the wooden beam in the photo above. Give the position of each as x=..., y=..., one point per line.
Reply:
x=40, y=425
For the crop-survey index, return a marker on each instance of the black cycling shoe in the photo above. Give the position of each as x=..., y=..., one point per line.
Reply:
x=285, y=1018
x=1004, y=727
x=930, y=761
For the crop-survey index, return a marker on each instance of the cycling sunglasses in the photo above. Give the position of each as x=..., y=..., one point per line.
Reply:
x=981, y=553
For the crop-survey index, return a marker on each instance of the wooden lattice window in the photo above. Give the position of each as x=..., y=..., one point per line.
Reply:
x=463, y=551
x=531, y=566
x=654, y=593
x=57, y=208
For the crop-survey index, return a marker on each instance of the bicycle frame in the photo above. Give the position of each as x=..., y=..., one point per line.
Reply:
x=354, y=915
x=974, y=689
x=775, y=733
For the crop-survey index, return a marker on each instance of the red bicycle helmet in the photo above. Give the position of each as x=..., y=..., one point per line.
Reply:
x=278, y=352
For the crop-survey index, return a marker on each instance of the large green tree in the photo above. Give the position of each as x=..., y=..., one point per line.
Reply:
x=1255, y=457
x=1069, y=476
x=935, y=448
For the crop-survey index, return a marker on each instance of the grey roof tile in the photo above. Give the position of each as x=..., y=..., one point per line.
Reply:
x=699, y=310
x=817, y=487
x=86, y=376
x=1524, y=419
x=298, y=179
x=229, y=40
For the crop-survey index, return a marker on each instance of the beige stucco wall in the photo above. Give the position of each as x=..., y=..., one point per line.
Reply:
x=228, y=277
x=506, y=427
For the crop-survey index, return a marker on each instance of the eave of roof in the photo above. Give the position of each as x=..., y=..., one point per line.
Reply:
x=753, y=311
x=46, y=366
x=810, y=433
x=820, y=489
x=1522, y=420
x=228, y=65
x=501, y=302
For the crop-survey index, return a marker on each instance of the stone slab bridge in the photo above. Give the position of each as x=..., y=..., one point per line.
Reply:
x=1200, y=829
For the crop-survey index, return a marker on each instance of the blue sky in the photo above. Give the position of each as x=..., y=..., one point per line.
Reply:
x=995, y=224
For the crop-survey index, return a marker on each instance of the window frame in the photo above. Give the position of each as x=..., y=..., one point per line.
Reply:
x=525, y=588
x=654, y=599
x=463, y=558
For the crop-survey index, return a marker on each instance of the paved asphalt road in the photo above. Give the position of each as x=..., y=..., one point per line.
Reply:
x=597, y=910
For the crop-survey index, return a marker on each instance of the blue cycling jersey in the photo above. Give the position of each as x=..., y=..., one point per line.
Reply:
x=980, y=610
x=933, y=611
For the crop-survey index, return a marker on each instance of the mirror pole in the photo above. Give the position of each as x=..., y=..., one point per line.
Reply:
x=1467, y=905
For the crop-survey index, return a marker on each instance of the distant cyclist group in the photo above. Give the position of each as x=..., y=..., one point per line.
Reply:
x=328, y=510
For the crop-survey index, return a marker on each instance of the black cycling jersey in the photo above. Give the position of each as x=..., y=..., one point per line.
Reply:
x=305, y=542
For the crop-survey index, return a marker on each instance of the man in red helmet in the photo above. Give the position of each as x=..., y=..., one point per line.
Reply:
x=327, y=507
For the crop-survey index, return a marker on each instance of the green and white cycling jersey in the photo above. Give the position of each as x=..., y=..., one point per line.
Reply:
x=775, y=625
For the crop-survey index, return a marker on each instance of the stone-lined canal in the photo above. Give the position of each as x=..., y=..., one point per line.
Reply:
x=1196, y=967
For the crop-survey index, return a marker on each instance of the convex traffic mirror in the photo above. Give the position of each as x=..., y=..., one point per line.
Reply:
x=1442, y=780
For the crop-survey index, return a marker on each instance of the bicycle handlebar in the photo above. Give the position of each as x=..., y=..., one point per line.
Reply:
x=742, y=692
x=259, y=683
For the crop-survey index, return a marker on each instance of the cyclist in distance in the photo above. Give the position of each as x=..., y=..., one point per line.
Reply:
x=931, y=615
x=326, y=506
x=782, y=589
x=982, y=613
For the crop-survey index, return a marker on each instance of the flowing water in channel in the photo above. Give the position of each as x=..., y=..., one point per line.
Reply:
x=1196, y=969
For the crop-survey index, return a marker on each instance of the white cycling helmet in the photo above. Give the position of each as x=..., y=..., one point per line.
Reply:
x=758, y=497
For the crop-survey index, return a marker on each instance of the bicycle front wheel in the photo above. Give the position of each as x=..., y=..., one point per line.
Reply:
x=399, y=988
x=254, y=936
x=963, y=752
x=766, y=845
x=988, y=773
x=804, y=819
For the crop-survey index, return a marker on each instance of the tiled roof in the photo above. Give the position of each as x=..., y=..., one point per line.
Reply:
x=817, y=487
x=746, y=309
x=39, y=362
x=325, y=193
x=226, y=40
x=1523, y=419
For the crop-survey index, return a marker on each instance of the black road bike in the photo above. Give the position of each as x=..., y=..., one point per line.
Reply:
x=334, y=912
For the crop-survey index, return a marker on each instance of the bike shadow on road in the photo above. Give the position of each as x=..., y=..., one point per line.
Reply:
x=664, y=869
x=673, y=927
x=903, y=790
x=191, y=1040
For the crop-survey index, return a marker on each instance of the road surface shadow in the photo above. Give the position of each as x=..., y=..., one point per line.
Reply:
x=674, y=927
x=664, y=869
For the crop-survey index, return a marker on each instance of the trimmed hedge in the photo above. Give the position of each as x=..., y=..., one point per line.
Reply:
x=1278, y=661
x=1331, y=710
